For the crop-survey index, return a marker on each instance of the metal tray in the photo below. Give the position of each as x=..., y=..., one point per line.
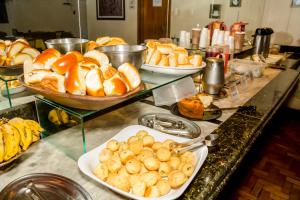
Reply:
x=44, y=186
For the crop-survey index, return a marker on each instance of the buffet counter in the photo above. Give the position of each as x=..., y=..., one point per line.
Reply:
x=237, y=129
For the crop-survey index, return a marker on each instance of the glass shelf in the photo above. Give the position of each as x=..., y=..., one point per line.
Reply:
x=6, y=80
x=151, y=80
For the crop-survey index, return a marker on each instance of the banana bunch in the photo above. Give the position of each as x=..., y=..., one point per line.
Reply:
x=17, y=135
x=60, y=117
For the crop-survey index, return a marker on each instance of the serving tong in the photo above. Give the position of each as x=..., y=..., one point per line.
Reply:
x=180, y=148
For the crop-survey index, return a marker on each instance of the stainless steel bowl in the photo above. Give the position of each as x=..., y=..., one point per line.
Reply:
x=119, y=54
x=65, y=45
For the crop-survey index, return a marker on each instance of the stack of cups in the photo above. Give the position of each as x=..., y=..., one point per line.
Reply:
x=220, y=39
x=215, y=37
x=203, y=38
x=184, y=39
x=230, y=42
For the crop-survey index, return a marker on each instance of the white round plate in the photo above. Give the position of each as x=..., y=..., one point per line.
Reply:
x=173, y=70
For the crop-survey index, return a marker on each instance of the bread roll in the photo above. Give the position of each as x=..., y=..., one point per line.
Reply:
x=174, y=162
x=23, y=41
x=155, y=58
x=205, y=99
x=173, y=60
x=180, y=50
x=115, y=41
x=108, y=71
x=131, y=75
x=16, y=48
x=62, y=64
x=183, y=59
x=191, y=107
x=89, y=62
x=99, y=56
x=31, y=51
x=195, y=60
x=2, y=48
x=101, y=41
x=78, y=55
x=75, y=82
x=164, y=61
x=176, y=179
x=91, y=45
x=94, y=83
x=44, y=60
x=115, y=86
x=164, y=49
x=53, y=51
x=20, y=59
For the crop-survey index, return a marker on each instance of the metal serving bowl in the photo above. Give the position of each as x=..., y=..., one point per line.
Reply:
x=65, y=45
x=119, y=54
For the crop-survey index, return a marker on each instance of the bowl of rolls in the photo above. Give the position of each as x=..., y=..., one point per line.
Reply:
x=169, y=58
x=13, y=55
x=138, y=162
x=84, y=81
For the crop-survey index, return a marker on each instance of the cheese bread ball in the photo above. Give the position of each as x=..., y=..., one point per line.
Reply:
x=163, y=154
x=114, y=164
x=122, y=183
x=150, y=178
x=151, y=163
x=141, y=134
x=134, y=178
x=139, y=188
x=188, y=169
x=176, y=178
x=133, y=166
x=136, y=146
x=132, y=139
x=188, y=157
x=123, y=146
x=144, y=154
x=164, y=169
x=105, y=154
x=163, y=186
x=113, y=145
x=123, y=172
x=148, y=141
x=111, y=178
x=156, y=146
x=174, y=162
x=126, y=155
x=167, y=143
x=143, y=169
x=101, y=171
x=152, y=192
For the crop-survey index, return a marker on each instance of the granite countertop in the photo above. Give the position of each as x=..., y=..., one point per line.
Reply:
x=58, y=153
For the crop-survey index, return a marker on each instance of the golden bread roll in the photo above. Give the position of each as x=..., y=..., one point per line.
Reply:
x=155, y=58
x=152, y=192
x=148, y=140
x=163, y=186
x=183, y=59
x=145, y=153
x=176, y=179
x=130, y=74
x=164, y=49
x=167, y=143
x=164, y=169
x=89, y=62
x=62, y=64
x=78, y=55
x=99, y=56
x=174, y=162
x=188, y=169
x=94, y=83
x=150, y=178
x=173, y=60
x=151, y=163
x=101, y=171
x=136, y=147
x=113, y=145
x=53, y=51
x=163, y=154
x=132, y=139
x=180, y=50
x=20, y=58
x=126, y=155
x=115, y=86
x=48, y=81
x=191, y=107
x=91, y=45
x=101, y=41
x=195, y=60
x=141, y=134
x=105, y=155
x=133, y=166
x=164, y=61
x=139, y=188
x=31, y=51
x=114, y=164
x=156, y=146
x=23, y=41
x=75, y=81
x=16, y=48
x=108, y=71
x=188, y=157
x=44, y=60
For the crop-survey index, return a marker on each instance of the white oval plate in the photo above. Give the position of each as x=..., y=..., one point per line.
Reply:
x=173, y=70
x=88, y=162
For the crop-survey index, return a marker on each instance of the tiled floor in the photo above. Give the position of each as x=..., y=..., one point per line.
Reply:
x=272, y=169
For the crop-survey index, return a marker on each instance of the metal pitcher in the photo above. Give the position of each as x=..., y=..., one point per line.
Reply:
x=213, y=78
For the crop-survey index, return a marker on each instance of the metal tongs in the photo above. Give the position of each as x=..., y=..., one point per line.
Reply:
x=180, y=148
x=33, y=193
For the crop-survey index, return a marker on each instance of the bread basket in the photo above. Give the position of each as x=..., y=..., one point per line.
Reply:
x=81, y=102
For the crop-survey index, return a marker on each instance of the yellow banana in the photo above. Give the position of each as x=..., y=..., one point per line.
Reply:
x=36, y=129
x=11, y=140
x=2, y=150
x=24, y=131
x=63, y=116
x=53, y=117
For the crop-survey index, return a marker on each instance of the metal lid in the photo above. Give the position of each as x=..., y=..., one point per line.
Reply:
x=44, y=186
x=171, y=124
x=214, y=60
